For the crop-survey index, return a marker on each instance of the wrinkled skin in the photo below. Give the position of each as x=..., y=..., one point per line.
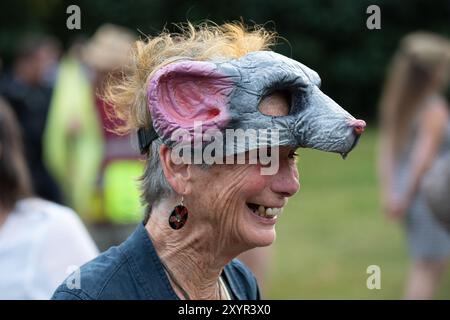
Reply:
x=242, y=93
x=220, y=225
x=222, y=192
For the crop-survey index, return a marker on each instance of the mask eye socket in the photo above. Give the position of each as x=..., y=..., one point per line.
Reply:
x=277, y=103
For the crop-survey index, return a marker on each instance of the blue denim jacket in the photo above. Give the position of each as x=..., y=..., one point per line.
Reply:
x=133, y=271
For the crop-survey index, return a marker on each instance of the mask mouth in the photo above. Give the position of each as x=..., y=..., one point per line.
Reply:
x=331, y=134
x=341, y=140
x=355, y=142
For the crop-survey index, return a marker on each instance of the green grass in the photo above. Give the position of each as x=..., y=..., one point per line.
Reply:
x=333, y=229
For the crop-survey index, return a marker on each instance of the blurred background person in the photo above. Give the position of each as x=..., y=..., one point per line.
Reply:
x=414, y=132
x=97, y=168
x=27, y=88
x=39, y=240
x=72, y=137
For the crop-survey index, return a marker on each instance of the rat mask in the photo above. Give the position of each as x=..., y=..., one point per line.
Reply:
x=225, y=94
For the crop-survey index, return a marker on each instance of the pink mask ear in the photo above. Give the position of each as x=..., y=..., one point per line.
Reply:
x=183, y=92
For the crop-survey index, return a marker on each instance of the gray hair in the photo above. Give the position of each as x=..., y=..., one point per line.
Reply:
x=154, y=185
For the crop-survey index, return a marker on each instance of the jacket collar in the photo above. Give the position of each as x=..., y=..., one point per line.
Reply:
x=149, y=272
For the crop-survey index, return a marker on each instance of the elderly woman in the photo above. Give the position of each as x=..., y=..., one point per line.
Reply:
x=186, y=89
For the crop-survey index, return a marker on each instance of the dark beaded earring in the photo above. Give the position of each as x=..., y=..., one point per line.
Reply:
x=178, y=217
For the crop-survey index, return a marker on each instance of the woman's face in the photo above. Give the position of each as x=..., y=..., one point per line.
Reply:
x=240, y=203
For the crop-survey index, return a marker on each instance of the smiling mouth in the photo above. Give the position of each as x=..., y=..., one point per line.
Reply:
x=265, y=212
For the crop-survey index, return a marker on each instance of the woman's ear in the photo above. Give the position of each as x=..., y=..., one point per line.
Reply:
x=177, y=175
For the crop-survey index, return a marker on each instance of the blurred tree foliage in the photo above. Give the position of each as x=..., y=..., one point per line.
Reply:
x=329, y=36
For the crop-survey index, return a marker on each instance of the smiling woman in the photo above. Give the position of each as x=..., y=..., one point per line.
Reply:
x=200, y=217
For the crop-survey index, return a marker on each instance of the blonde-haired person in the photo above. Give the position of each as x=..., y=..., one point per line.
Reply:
x=94, y=166
x=200, y=216
x=414, y=132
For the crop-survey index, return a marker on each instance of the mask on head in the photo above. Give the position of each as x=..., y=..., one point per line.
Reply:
x=226, y=95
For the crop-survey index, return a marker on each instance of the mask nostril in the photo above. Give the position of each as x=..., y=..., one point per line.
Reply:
x=359, y=129
x=358, y=126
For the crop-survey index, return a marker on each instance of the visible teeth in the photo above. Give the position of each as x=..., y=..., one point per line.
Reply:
x=268, y=212
x=262, y=211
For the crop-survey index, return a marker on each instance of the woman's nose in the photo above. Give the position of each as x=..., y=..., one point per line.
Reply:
x=286, y=182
